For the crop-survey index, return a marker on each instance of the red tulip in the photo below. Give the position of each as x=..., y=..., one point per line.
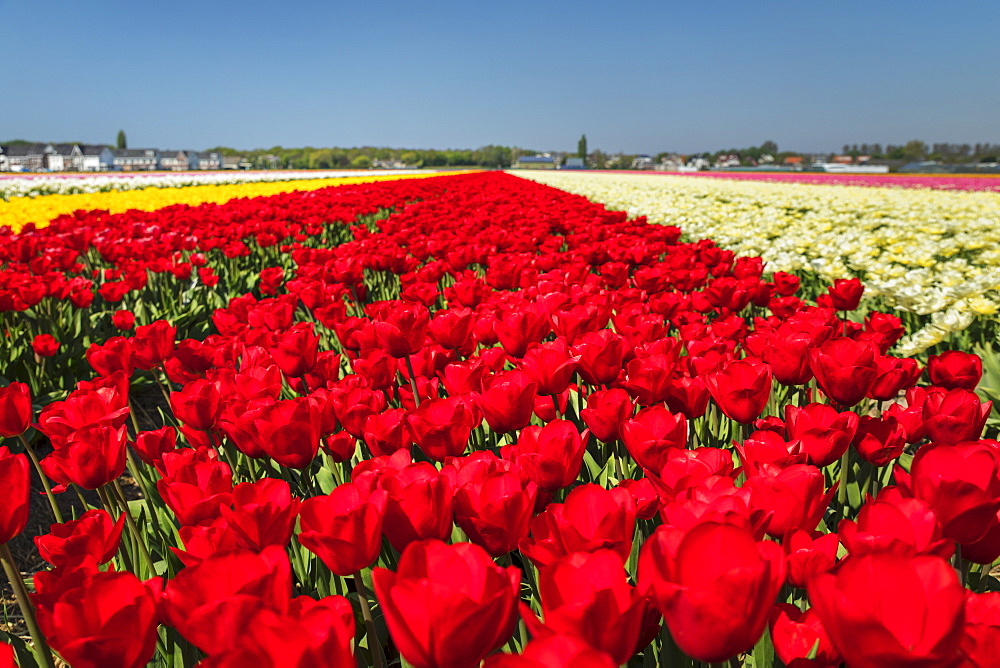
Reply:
x=653, y=435
x=419, y=505
x=961, y=483
x=114, y=355
x=845, y=294
x=879, y=440
x=224, y=592
x=954, y=369
x=288, y=431
x=447, y=606
x=888, y=609
x=552, y=651
x=823, y=432
x=153, y=343
x=800, y=640
x=343, y=528
x=404, y=330
x=96, y=619
x=197, y=405
x=602, y=355
x=549, y=456
x=494, y=510
x=194, y=484
x=844, y=368
x=507, y=403
x=15, y=409
x=311, y=634
x=892, y=522
x=980, y=644
x=587, y=595
x=441, y=427
x=263, y=513
x=808, y=556
x=152, y=445
x=605, y=412
x=91, y=540
x=592, y=518
x=551, y=366
x=15, y=477
x=91, y=457
x=714, y=584
x=954, y=416
x=295, y=350
x=894, y=375
x=741, y=389
x=793, y=496
x=123, y=320
x=45, y=345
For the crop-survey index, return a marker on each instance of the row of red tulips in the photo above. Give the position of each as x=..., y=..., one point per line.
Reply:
x=503, y=423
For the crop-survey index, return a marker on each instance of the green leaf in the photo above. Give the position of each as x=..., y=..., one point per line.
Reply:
x=25, y=657
x=763, y=651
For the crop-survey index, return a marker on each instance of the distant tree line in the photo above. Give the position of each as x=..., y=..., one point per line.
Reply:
x=363, y=157
x=917, y=150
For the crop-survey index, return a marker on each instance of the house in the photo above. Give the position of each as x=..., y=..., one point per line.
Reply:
x=794, y=161
x=25, y=157
x=235, y=162
x=543, y=161
x=728, y=160
x=93, y=158
x=174, y=161
x=573, y=163
x=135, y=159
x=642, y=162
x=204, y=160
x=842, y=159
x=60, y=157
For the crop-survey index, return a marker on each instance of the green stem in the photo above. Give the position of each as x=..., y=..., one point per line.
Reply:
x=45, y=480
x=374, y=644
x=143, y=550
x=27, y=609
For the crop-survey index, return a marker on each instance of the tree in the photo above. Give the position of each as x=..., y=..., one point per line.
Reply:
x=915, y=150
x=769, y=147
x=361, y=162
x=122, y=143
x=581, y=147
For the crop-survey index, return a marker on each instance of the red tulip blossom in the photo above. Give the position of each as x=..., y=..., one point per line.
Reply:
x=15, y=409
x=799, y=638
x=45, y=345
x=844, y=368
x=592, y=518
x=715, y=585
x=447, y=606
x=741, y=389
x=15, y=477
x=549, y=456
x=888, y=609
x=96, y=619
x=588, y=596
x=343, y=528
x=550, y=651
x=652, y=435
x=494, y=510
x=961, y=483
x=91, y=540
x=955, y=369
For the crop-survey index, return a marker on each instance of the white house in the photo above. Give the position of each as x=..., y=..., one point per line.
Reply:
x=135, y=159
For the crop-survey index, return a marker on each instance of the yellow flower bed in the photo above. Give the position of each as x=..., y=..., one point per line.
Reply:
x=20, y=211
x=935, y=253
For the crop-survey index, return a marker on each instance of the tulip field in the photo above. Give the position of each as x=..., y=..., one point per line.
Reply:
x=463, y=420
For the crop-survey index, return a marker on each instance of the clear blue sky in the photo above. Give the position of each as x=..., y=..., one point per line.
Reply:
x=634, y=76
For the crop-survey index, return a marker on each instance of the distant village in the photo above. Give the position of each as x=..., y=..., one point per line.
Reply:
x=860, y=164
x=99, y=158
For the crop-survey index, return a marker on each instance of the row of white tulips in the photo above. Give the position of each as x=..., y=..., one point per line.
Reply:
x=931, y=252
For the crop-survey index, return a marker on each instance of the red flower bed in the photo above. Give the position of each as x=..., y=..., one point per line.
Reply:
x=501, y=417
